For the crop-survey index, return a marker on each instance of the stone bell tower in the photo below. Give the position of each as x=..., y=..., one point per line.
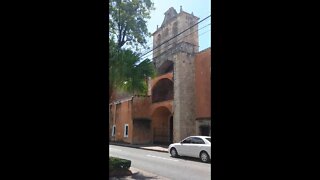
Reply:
x=176, y=44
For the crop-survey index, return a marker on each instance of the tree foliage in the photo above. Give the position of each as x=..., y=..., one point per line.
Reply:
x=127, y=25
x=127, y=72
x=127, y=21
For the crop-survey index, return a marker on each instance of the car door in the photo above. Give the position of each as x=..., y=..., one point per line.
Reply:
x=184, y=147
x=197, y=145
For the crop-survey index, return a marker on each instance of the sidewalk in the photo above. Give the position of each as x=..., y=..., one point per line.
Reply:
x=159, y=148
x=139, y=174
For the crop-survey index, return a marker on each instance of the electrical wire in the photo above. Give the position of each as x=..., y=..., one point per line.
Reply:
x=176, y=35
x=170, y=44
x=182, y=38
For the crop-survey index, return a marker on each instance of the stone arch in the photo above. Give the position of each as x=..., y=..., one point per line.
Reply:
x=162, y=90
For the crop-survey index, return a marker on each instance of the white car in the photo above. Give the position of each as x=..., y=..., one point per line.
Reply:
x=192, y=146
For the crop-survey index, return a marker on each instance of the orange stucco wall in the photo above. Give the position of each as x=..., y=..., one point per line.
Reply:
x=122, y=115
x=124, y=112
x=203, y=84
x=141, y=106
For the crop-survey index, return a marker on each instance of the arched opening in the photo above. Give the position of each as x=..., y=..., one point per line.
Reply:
x=161, y=125
x=162, y=91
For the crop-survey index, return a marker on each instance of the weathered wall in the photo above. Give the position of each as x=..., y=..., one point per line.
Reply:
x=184, y=96
x=142, y=131
x=136, y=113
x=172, y=28
x=160, y=113
x=160, y=124
x=123, y=115
x=203, y=84
x=183, y=21
x=141, y=105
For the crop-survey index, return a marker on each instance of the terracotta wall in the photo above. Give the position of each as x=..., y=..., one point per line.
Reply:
x=124, y=112
x=123, y=115
x=141, y=106
x=203, y=84
x=142, y=131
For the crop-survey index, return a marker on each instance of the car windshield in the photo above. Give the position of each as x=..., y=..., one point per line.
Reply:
x=209, y=139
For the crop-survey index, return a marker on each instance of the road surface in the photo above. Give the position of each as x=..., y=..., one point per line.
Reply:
x=163, y=164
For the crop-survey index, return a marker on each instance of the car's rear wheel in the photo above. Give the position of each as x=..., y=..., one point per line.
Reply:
x=204, y=157
x=173, y=152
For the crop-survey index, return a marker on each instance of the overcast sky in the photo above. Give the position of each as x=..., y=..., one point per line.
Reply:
x=200, y=8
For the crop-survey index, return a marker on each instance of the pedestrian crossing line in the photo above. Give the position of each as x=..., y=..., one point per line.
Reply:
x=161, y=158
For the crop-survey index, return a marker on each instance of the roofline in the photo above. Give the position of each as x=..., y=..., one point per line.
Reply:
x=175, y=18
x=127, y=99
x=204, y=50
x=121, y=100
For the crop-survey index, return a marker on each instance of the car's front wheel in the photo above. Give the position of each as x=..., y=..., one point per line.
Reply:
x=204, y=156
x=173, y=152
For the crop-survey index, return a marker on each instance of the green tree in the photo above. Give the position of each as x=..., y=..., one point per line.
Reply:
x=127, y=26
x=127, y=72
x=127, y=22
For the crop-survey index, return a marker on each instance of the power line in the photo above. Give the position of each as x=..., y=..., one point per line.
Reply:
x=181, y=38
x=175, y=36
x=168, y=40
x=145, y=52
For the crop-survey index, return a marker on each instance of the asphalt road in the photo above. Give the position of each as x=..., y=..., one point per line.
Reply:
x=163, y=164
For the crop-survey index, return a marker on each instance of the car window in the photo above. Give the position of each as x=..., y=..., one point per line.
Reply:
x=188, y=140
x=197, y=140
x=209, y=139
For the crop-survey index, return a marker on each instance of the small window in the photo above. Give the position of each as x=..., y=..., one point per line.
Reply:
x=188, y=141
x=197, y=140
x=126, y=130
x=113, y=130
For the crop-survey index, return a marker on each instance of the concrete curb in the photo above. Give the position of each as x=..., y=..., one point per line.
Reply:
x=139, y=174
x=145, y=174
x=138, y=147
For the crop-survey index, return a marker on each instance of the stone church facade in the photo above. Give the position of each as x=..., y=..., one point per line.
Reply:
x=178, y=103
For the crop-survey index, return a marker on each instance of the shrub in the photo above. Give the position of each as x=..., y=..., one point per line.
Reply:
x=118, y=163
